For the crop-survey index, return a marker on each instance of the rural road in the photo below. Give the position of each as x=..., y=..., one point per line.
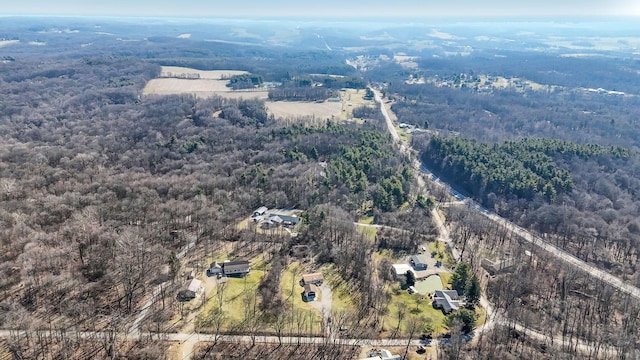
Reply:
x=195, y=337
x=521, y=232
x=387, y=118
x=493, y=317
x=555, y=251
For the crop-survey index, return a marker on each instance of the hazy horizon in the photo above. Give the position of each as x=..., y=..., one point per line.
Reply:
x=327, y=9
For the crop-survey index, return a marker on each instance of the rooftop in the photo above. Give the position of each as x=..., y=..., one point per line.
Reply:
x=194, y=285
x=313, y=277
x=401, y=269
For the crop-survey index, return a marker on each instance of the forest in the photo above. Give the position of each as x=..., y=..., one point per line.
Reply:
x=102, y=188
x=520, y=169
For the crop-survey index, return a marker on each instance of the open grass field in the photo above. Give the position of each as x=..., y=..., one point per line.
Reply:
x=166, y=86
x=175, y=80
x=236, y=294
x=181, y=80
x=342, y=300
x=294, y=109
x=369, y=232
x=351, y=99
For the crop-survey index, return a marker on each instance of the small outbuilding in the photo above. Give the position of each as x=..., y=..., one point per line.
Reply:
x=193, y=290
x=310, y=292
x=418, y=262
x=399, y=272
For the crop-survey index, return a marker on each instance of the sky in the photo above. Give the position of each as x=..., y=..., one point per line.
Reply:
x=325, y=8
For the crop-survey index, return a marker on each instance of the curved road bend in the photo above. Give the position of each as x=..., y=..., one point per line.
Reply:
x=523, y=233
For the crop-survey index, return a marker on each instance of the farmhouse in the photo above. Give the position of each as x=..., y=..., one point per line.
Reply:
x=310, y=292
x=238, y=267
x=399, y=272
x=260, y=212
x=286, y=220
x=313, y=278
x=447, y=300
x=418, y=262
x=275, y=220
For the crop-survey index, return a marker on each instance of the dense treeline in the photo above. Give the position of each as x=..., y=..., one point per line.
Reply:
x=339, y=82
x=362, y=163
x=245, y=81
x=567, y=114
x=523, y=168
x=301, y=94
x=596, y=219
x=313, y=88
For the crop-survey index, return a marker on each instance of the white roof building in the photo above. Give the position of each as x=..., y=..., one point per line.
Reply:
x=195, y=285
x=399, y=270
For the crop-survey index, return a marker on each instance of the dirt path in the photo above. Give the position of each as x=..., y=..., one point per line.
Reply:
x=324, y=305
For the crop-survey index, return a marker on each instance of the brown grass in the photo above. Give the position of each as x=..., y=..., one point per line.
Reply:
x=209, y=83
x=289, y=109
x=275, y=352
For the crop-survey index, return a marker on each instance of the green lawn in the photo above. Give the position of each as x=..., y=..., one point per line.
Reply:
x=446, y=279
x=366, y=220
x=291, y=290
x=413, y=306
x=238, y=294
x=342, y=300
x=369, y=232
x=439, y=248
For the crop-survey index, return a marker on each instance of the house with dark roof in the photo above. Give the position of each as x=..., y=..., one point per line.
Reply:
x=236, y=268
x=214, y=269
x=447, y=300
x=285, y=220
x=418, y=262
